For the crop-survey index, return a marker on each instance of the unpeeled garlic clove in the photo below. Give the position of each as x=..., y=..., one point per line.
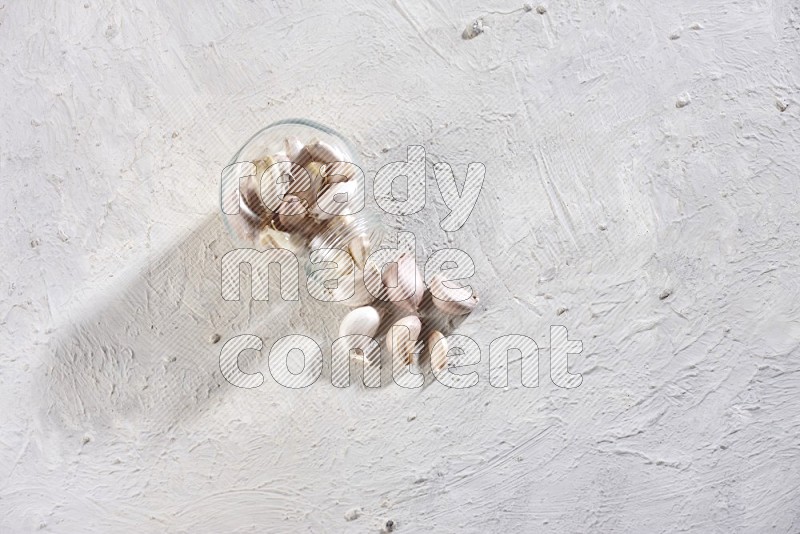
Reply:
x=293, y=146
x=437, y=348
x=452, y=306
x=410, y=289
x=252, y=209
x=315, y=174
x=298, y=181
x=269, y=237
x=359, y=248
x=334, y=200
x=363, y=321
x=340, y=171
x=400, y=341
x=324, y=152
x=360, y=296
x=291, y=217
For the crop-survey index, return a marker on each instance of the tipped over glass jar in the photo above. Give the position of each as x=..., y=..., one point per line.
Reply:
x=298, y=185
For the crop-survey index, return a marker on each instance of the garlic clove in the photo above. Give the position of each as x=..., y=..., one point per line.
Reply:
x=437, y=348
x=270, y=237
x=293, y=146
x=250, y=206
x=324, y=152
x=373, y=281
x=363, y=321
x=298, y=181
x=340, y=171
x=292, y=216
x=360, y=296
x=334, y=200
x=359, y=248
x=444, y=298
x=402, y=338
x=407, y=294
x=317, y=179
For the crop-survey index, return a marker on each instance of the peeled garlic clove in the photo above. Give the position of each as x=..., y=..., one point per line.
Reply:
x=407, y=294
x=452, y=306
x=437, y=347
x=334, y=200
x=400, y=341
x=363, y=321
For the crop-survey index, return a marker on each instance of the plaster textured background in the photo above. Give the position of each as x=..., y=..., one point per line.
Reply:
x=601, y=196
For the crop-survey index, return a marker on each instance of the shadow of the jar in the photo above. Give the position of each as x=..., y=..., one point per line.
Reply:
x=148, y=357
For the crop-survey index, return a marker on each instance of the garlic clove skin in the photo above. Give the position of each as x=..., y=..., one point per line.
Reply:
x=362, y=321
x=452, y=306
x=437, y=348
x=410, y=289
x=400, y=342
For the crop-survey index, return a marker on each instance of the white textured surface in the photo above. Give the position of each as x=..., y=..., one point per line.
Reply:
x=601, y=193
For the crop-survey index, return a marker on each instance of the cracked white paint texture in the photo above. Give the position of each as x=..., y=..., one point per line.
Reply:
x=642, y=175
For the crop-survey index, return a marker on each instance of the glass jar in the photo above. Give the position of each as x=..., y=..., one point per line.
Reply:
x=280, y=153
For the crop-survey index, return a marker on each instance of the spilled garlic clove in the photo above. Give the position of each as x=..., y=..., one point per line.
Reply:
x=409, y=290
x=402, y=338
x=363, y=321
x=437, y=348
x=342, y=292
x=446, y=298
